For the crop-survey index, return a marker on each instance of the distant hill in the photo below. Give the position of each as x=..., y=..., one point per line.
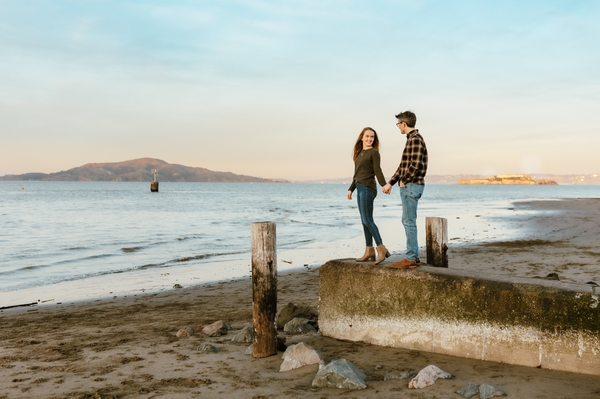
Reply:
x=139, y=170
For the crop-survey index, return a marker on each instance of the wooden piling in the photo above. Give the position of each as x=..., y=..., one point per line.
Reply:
x=154, y=184
x=264, y=289
x=437, y=241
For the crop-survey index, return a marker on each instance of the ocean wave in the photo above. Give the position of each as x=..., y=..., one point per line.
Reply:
x=129, y=250
x=77, y=248
x=60, y=262
x=169, y=263
x=189, y=237
x=293, y=243
x=341, y=223
x=185, y=259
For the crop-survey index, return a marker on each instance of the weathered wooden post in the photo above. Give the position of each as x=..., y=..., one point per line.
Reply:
x=264, y=289
x=436, y=230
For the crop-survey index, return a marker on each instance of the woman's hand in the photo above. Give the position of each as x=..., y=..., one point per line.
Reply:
x=349, y=195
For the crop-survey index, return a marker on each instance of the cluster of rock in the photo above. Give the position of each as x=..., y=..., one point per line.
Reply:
x=339, y=373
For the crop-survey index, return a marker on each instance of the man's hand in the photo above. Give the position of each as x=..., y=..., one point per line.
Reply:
x=387, y=189
x=349, y=195
x=402, y=185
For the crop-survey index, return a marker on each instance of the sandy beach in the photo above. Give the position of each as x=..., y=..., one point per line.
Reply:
x=127, y=347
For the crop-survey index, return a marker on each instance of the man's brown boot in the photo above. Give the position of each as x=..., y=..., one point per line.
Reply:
x=368, y=256
x=382, y=253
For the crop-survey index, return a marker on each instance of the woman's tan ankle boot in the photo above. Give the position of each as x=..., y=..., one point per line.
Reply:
x=382, y=253
x=368, y=256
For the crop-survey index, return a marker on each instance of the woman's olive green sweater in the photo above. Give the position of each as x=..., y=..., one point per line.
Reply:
x=366, y=168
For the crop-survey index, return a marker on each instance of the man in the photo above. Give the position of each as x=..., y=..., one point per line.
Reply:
x=411, y=180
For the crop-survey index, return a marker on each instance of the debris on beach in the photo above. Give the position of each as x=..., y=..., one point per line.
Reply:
x=299, y=355
x=404, y=375
x=487, y=391
x=427, y=376
x=208, y=348
x=184, y=332
x=291, y=310
x=177, y=286
x=552, y=276
x=469, y=391
x=341, y=374
x=244, y=336
x=215, y=329
x=298, y=325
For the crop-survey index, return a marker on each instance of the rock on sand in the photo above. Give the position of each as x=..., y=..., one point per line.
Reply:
x=186, y=331
x=298, y=325
x=427, y=376
x=215, y=329
x=244, y=336
x=290, y=311
x=299, y=355
x=340, y=374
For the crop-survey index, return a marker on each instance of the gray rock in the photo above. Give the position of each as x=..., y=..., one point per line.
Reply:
x=427, y=376
x=468, y=391
x=215, y=329
x=340, y=374
x=244, y=336
x=404, y=375
x=249, y=350
x=208, y=348
x=186, y=331
x=290, y=311
x=298, y=325
x=487, y=391
x=299, y=355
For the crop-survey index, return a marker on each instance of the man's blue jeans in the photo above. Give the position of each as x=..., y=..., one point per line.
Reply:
x=365, y=198
x=410, y=199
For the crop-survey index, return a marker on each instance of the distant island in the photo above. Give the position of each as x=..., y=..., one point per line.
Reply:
x=140, y=170
x=583, y=179
x=508, y=180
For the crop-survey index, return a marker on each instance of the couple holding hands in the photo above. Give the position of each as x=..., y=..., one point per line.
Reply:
x=410, y=177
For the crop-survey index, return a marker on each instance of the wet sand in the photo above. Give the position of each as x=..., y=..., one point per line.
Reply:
x=127, y=347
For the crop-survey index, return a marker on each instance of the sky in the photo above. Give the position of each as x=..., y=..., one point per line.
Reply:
x=282, y=89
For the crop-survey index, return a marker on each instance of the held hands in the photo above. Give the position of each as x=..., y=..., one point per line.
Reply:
x=349, y=195
x=387, y=189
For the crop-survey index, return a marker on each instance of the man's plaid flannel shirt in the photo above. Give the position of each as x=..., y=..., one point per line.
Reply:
x=413, y=165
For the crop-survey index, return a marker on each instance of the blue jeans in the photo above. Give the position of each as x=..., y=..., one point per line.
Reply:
x=410, y=199
x=365, y=198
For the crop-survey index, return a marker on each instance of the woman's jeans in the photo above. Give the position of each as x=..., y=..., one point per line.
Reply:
x=410, y=198
x=365, y=198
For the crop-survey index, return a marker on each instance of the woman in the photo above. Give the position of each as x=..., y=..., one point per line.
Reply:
x=366, y=168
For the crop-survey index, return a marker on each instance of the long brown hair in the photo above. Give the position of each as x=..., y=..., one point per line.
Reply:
x=358, y=146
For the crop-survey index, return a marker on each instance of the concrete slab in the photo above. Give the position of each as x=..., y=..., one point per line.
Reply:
x=525, y=321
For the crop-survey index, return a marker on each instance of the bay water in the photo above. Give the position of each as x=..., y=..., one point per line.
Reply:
x=64, y=241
